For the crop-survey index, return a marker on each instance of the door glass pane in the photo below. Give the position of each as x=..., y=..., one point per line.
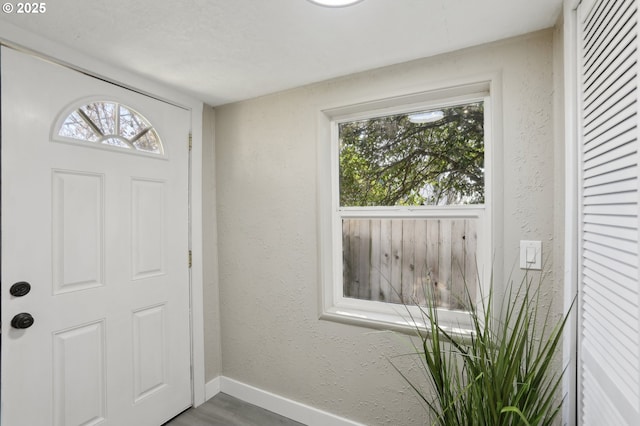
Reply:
x=112, y=125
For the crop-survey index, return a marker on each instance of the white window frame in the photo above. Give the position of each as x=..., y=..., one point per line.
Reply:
x=382, y=315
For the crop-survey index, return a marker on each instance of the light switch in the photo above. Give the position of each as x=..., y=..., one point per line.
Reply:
x=531, y=255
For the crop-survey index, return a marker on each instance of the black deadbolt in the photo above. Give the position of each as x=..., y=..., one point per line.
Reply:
x=19, y=289
x=23, y=320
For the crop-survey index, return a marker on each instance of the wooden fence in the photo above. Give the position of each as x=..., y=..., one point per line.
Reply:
x=438, y=255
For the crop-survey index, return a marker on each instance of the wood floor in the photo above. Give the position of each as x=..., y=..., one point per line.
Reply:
x=225, y=410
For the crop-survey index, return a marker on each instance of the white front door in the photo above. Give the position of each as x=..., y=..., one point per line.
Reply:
x=100, y=233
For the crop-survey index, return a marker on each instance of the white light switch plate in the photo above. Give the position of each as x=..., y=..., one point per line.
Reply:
x=531, y=255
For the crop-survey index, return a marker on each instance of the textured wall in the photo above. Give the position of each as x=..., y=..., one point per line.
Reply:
x=559, y=162
x=267, y=226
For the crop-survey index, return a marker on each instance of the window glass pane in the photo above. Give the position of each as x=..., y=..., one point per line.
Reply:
x=420, y=257
x=77, y=128
x=131, y=124
x=103, y=115
x=116, y=142
x=433, y=157
x=149, y=142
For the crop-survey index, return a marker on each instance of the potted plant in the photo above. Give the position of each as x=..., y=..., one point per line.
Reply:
x=503, y=373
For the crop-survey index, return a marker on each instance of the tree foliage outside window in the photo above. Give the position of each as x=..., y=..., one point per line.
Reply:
x=395, y=161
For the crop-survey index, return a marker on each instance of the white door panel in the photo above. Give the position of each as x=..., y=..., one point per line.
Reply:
x=102, y=237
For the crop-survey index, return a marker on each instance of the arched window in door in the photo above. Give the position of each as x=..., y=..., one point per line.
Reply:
x=112, y=125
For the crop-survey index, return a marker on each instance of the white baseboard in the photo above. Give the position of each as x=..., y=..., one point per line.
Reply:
x=212, y=388
x=280, y=405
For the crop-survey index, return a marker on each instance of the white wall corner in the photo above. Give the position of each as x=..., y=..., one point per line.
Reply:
x=280, y=405
x=212, y=388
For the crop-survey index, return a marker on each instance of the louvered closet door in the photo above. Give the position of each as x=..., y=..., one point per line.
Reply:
x=609, y=280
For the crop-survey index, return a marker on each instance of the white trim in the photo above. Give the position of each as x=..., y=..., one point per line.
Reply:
x=442, y=98
x=280, y=405
x=17, y=38
x=570, y=339
x=212, y=388
x=422, y=94
x=473, y=211
x=571, y=4
x=197, y=265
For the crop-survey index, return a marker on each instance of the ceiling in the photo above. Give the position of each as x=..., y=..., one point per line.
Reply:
x=222, y=51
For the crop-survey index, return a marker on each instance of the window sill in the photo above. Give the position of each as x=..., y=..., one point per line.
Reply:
x=455, y=323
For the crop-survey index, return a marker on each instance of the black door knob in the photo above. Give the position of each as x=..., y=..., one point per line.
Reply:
x=23, y=320
x=19, y=289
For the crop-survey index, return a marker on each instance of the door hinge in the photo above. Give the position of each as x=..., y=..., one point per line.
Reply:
x=190, y=141
x=190, y=259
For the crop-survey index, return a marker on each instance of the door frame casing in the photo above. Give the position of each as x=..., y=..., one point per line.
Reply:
x=16, y=38
x=570, y=339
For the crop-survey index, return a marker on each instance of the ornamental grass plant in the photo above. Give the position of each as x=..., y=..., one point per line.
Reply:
x=503, y=373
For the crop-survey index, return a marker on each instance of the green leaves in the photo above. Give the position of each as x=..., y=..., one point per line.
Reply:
x=503, y=375
x=389, y=161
